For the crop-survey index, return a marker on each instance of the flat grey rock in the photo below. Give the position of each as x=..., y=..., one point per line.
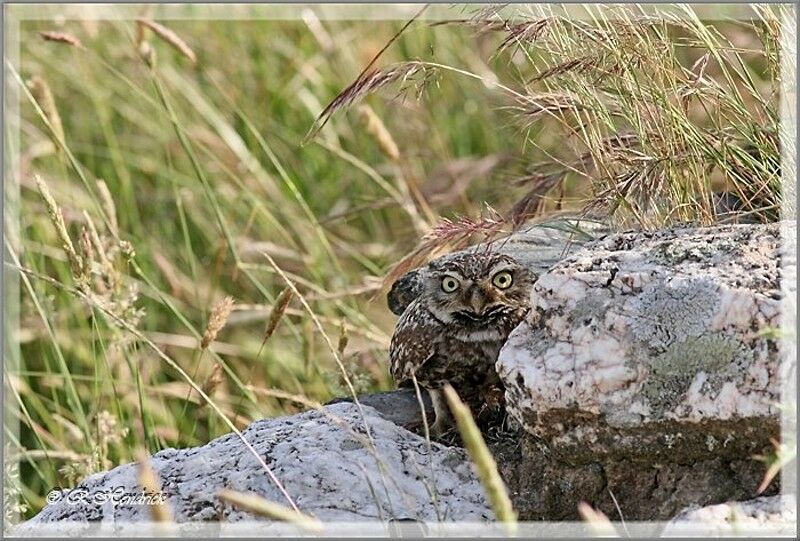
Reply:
x=324, y=460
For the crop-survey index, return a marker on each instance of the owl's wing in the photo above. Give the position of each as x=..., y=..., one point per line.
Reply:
x=413, y=342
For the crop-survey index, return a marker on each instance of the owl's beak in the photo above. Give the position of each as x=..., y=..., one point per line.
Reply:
x=477, y=301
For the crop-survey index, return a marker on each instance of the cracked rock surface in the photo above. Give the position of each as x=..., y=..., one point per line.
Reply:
x=650, y=343
x=322, y=459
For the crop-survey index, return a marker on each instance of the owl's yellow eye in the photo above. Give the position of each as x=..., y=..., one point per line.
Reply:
x=503, y=280
x=449, y=284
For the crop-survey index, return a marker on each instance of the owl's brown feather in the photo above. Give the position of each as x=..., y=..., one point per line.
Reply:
x=454, y=337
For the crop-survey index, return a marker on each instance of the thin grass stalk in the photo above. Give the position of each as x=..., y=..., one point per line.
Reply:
x=336, y=356
x=148, y=480
x=258, y=505
x=485, y=465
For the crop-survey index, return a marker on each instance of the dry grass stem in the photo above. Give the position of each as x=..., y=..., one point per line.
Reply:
x=484, y=462
x=781, y=455
x=377, y=129
x=109, y=207
x=258, y=505
x=151, y=485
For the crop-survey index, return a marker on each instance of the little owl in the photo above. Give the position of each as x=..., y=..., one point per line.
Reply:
x=464, y=307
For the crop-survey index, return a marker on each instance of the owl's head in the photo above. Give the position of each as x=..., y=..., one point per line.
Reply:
x=475, y=288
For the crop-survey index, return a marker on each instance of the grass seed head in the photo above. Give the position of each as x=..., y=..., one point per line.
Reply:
x=343, y=339
x=169, y=36
x=219, y=316
x=44, y=97
x=213, y=381
x=57, y=219
x=278, y=309
x=61, y=37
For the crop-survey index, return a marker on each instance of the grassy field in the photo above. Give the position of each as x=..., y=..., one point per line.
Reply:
x=164, y=171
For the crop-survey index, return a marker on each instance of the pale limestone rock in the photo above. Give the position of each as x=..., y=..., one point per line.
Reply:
x=674, y=327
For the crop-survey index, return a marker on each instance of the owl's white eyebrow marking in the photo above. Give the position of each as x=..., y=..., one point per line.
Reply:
x=503, y=265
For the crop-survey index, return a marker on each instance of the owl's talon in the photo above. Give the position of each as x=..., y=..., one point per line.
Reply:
x=443, y=420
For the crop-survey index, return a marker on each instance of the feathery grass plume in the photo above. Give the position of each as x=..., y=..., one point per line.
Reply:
x=169, y=36
x=254, y=503
x=41, y=92
x=275, y=315
x=532, y=203
x=57, y=219
x=536, y=107
x=370, y=82
x=109, y=207
x=519, y=34
x=217, y=320
x=465, y=227
x=61, y=37
x=485, y=465
x=377, y=129
x=367, y=81
x=148, y=480
x=576, y=65
x=597, y=522
x=453, y=234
